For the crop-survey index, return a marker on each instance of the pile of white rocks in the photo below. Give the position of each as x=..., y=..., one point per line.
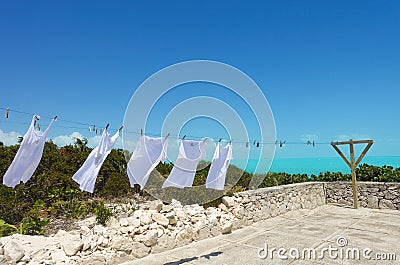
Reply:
x=130, y=234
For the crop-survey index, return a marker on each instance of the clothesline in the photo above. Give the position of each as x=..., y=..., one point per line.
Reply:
x=92, y=128
x=148, y=154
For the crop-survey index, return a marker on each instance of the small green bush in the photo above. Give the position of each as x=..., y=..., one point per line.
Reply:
x=33, y=224
x=6, y=229
x=102, y=213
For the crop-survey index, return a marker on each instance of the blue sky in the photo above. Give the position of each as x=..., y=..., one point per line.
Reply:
x=329, y=69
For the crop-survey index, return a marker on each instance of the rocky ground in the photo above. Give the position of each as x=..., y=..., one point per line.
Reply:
x=135, y=230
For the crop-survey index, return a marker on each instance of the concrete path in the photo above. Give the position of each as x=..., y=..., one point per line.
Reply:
x=336, y=233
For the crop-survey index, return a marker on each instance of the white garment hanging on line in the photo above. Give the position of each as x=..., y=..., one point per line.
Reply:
x=184, y=170
x=219, y=166
x=148, y=154
x=28, y=156
x=87, y=173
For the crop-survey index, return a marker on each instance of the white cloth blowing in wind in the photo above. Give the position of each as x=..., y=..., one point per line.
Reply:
x=28, y=156
x=184, y=170
x=148, y=154
x=219, y=166
x=87, y=173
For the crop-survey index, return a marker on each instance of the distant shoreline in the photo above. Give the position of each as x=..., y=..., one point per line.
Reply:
x=315, y=166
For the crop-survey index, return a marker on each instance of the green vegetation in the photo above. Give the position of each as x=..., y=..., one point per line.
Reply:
x=51, y=192
x=6, y=229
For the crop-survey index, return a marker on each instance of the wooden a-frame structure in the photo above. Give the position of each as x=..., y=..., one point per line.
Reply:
x=352, y=163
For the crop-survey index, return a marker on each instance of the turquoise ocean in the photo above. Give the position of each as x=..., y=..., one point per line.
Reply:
x=316, y=165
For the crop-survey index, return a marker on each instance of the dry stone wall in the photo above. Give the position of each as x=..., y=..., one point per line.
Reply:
x=376, y=195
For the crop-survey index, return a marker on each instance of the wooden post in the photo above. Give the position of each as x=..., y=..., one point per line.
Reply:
x=353, y=174
x=352, y=163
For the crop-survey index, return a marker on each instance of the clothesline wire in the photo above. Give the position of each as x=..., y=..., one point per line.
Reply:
x=93, y=126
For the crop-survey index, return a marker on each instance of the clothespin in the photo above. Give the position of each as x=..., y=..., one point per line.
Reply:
x=254, y=142
x=120, y=128
x=90, y=129
x=313, y=143
x=247, y=144
x=55, y=118
x=183, y=137
x=96, y=130
x=101, y=131
x=7, y=111
x=38, y=127
x=282, y=143
x=167, y=136
x=37, y=117
x=141, y=132
x=276, y=142
x=230, y=141
x=258, y=144
x=220, y=139
x=107, y=126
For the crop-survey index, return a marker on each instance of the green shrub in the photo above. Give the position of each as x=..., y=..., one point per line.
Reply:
x=6, y=229
x=33, y=224
x=102, y=213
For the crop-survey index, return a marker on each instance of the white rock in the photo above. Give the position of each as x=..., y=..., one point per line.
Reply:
x=25, y=258
x=105, y=242
x=135, y=223
x=99, y=229
x=100, y=240
x=167, y=208
x=228, y=201
x=124, y=244
x=61, y=233
x=13, y=251
x=71, y=246
x=156, y=205
x=171, y=218
x=139, y=250
x=145, y=219
x=180, y=214
x=138, y=213
x=150, y=238
x=176, y=204
x=85, y=229
x=123, y=222
x=58, y=256
x=127, y=230
x=113, y=223
x=160, y=232
x=223, y=207
x=40, y=255
x=226, y=228
x=160, y=219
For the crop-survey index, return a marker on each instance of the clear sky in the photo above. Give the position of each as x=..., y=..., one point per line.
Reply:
x=329, y=69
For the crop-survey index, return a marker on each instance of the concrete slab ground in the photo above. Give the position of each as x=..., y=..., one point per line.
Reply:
x=325, y=235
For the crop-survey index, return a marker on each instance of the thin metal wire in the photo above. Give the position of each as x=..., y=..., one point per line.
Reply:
x=151, y=134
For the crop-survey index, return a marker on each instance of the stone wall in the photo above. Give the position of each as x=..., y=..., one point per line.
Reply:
x=255, y=205
x=377, y=195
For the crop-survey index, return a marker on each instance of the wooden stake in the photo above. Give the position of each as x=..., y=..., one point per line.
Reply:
x=353, y=175
x=352, y=163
